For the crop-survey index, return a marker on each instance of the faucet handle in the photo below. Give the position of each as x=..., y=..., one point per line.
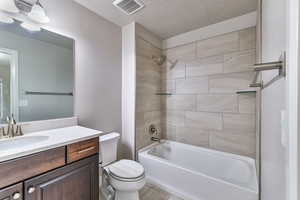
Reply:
x=19, y=130
x=3, y=133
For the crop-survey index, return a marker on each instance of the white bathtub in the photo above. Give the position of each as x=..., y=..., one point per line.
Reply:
x=200, y=174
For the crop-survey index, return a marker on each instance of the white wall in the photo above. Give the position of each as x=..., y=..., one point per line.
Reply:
x=273, y=153
x=293, y=74
x=128, y=90
x=98, y=66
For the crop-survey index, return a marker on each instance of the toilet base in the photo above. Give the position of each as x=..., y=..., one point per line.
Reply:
x=120, y=195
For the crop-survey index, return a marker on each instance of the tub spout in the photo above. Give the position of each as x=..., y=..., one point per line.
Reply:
x=155, y=139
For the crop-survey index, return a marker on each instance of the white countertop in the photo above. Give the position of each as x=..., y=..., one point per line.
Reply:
x=53, y=138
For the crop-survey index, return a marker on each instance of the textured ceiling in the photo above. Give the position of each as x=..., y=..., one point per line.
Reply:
x=166, y=18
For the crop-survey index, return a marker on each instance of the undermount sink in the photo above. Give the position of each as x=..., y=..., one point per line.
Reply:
x=19, y=142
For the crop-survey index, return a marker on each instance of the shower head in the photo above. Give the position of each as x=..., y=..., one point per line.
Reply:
x=159, y=60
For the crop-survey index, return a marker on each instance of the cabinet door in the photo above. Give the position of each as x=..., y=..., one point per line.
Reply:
x=78, y=181
x=14, y=192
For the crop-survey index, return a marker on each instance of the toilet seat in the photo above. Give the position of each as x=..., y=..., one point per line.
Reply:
x=126, y=171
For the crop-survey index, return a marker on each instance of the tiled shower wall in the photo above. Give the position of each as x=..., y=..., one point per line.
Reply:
x=148, y=105
x=203, y=77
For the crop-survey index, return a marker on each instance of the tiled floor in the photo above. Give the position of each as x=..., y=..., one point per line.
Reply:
x=152, y=192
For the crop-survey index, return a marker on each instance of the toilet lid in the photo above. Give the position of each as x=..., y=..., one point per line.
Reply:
x=126, y=169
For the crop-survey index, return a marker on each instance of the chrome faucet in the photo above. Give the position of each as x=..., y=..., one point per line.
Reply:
x=155, y=139
x=11, y=126
x=10, y=131
x=154, y=133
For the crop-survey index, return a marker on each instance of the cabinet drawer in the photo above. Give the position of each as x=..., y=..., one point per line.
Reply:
x=14, y=192
x=82, y=149
x=17, y=170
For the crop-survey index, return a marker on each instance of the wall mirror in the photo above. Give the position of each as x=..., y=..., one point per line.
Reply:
x=36, y=74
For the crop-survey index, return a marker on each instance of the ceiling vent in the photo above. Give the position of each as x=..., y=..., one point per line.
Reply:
x=129, y=6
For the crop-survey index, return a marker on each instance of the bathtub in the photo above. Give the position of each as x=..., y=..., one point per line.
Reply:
x=196, y=173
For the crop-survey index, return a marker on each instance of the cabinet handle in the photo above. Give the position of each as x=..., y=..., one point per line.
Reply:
x=31, y=190
x=85, y=150
x=16, y=195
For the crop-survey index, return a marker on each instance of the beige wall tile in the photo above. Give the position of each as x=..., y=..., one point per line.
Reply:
x=192, y=86
x=179, y=102
x=146, y=49
x=217, y=103
x=247, y=103
x=230, y=83
x=239, y=123
x=239, y=61
x=174, y=118
x=143, y=121
x=139, y=120
x=204, y=120
x=218, y=45
x=248, y=38
x=143, y=48
x=193, y=136
x=147, y=102
x=206, y=66
x=153, y=117
x=233, y=143
x=168, y=86
x=204, y=109
x=146, y=71
x=182, y=53
x=140, y=130
x=169, y=132
x=146, y=87
x=173, y=72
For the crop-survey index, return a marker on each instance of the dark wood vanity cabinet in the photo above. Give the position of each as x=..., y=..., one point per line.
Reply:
x=14, y=192
x=78, y=181
x=65, y=173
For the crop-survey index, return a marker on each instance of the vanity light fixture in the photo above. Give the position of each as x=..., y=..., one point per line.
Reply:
x=5, y=18
x=9, y=6
x=30, y=26
x=38, y=13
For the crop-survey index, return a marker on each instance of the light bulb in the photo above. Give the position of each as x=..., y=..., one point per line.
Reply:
x=38, y=14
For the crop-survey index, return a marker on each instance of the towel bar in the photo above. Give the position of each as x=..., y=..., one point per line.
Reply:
x=278, y=65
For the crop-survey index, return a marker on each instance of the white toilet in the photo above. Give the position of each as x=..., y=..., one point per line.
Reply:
x=124, y=177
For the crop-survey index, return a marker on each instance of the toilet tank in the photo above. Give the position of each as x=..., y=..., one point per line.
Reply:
x=108, y=148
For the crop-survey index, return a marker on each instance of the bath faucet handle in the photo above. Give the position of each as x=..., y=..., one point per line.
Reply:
x=152, y=130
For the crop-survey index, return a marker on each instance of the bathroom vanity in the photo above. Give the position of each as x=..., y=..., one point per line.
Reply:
x=62, y=165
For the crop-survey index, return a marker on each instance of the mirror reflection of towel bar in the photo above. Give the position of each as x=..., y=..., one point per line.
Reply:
x=48, y=93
